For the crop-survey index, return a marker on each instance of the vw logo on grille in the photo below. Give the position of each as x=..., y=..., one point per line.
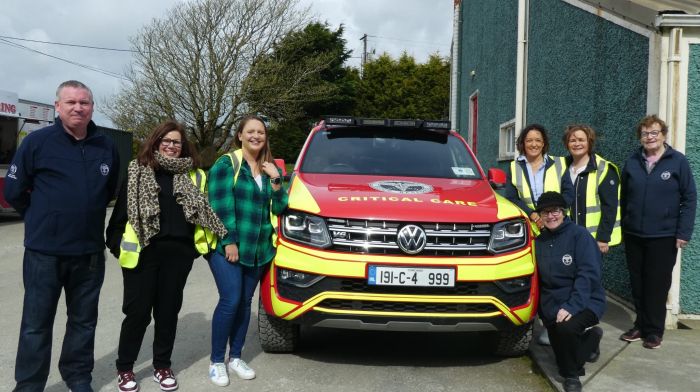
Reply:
x=411, y=239
x=403, y=187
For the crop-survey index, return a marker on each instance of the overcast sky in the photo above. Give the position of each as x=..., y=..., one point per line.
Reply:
x=419, y=27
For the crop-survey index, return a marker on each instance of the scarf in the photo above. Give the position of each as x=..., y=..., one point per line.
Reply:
x=142, y=198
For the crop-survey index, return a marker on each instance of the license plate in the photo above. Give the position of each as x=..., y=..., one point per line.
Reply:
x=409, y=276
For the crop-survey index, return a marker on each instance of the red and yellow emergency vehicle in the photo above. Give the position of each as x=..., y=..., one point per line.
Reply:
x=393, y=225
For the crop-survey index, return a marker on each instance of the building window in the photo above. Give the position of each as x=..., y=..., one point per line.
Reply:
x=506, y=141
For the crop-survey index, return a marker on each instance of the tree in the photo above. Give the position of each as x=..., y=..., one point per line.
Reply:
x=404, y=89
x=194, y=65
x=335, y=84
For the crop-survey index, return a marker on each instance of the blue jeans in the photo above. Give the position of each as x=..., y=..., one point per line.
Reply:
x=236, y=284
x=44, y=277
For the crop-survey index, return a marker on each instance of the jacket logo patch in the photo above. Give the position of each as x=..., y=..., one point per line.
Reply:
x=665, y=175
x=567, y=259
x=12, y=171
x=612, y=182
x=104, y=169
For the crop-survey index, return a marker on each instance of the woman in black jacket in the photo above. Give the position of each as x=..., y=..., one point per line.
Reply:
x=658, y=215
x=156, y=230
x=595, y=186
x=572, y=298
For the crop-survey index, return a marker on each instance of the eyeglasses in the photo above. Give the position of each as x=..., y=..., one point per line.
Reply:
x=166, y=142
x=653, y=134
x=555, y=213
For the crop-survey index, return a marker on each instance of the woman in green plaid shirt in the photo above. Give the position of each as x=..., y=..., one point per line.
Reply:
x=243, y=203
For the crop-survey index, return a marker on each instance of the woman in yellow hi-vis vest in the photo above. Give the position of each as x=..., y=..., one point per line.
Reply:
x=533, y=172
x=595, y=185
x=161, y=222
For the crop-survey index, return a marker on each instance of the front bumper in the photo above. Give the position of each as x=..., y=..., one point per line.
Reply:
x=343, y=299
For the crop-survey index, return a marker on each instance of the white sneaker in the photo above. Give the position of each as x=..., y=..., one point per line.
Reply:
x=217, y=374
x=241, y=368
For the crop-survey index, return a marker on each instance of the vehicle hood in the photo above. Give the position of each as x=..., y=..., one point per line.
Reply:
x=398, y=198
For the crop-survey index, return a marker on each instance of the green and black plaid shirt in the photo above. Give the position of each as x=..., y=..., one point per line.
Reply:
x=245, y=210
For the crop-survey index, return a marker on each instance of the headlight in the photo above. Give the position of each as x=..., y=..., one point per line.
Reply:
x=306, y=228
x=507, y=236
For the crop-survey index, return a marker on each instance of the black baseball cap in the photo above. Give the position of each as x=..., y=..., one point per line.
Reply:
x=550, y=200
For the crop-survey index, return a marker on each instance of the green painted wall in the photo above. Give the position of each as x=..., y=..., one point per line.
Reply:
x=489, y=48
x=690, y=267
x=585, y=69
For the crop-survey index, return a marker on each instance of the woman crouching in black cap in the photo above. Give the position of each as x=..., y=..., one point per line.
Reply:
x=572, y=298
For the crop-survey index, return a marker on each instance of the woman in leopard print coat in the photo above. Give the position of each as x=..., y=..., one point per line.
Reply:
x=163, y=205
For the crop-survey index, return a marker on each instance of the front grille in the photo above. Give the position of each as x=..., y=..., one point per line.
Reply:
x=348, y=285
x=415, y=307
x=379, y=237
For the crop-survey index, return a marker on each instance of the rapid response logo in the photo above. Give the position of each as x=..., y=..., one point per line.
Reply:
x=401, y=187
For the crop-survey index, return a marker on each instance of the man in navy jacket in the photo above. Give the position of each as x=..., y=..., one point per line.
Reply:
x=60, y=181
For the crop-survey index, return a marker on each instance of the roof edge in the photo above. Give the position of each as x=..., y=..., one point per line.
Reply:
x=677, y=20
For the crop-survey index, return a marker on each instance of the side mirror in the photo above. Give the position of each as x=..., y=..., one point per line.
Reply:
x=280, y=163
x=497, y=178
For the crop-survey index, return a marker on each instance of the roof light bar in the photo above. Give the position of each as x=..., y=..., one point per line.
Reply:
x=437, y=124
x=372, y=121
x=380, y=122
x=339, y=120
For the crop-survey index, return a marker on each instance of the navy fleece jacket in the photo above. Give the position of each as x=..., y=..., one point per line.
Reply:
x=61, y=186
x=569, y=267
x=661, y=203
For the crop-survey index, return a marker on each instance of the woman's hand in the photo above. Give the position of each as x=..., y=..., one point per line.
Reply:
x=681, y=243
x=231, y=253
x=270, y=169
x=535, y=217
x=603, y=246
x=563, y=315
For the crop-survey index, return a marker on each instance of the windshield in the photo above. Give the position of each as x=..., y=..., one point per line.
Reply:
x=389, y=152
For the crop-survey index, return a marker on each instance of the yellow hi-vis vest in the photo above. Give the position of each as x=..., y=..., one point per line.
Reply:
x=552, y=179
x=552, y=183
x=204, y=239
x=593, y=210
x=236, y=158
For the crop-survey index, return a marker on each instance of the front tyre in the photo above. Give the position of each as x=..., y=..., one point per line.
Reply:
x=276, y=335
x=514, y=342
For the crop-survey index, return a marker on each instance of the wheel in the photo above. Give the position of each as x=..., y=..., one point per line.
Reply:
x=514, y=342
x=276, y=335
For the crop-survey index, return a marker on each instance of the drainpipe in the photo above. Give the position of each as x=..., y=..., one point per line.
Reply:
x=521, y=66
x=454, y=77
x=678, y=142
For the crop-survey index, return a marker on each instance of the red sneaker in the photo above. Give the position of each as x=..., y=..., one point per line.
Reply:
x=632, y=335
x=166, y=379
x=126, y=382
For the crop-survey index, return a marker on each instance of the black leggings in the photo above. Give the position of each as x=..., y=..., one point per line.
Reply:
x=155, y=285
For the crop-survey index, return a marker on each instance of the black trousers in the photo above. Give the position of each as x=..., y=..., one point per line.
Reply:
x=650, y=262
x=572, y=344
x=154, y=286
